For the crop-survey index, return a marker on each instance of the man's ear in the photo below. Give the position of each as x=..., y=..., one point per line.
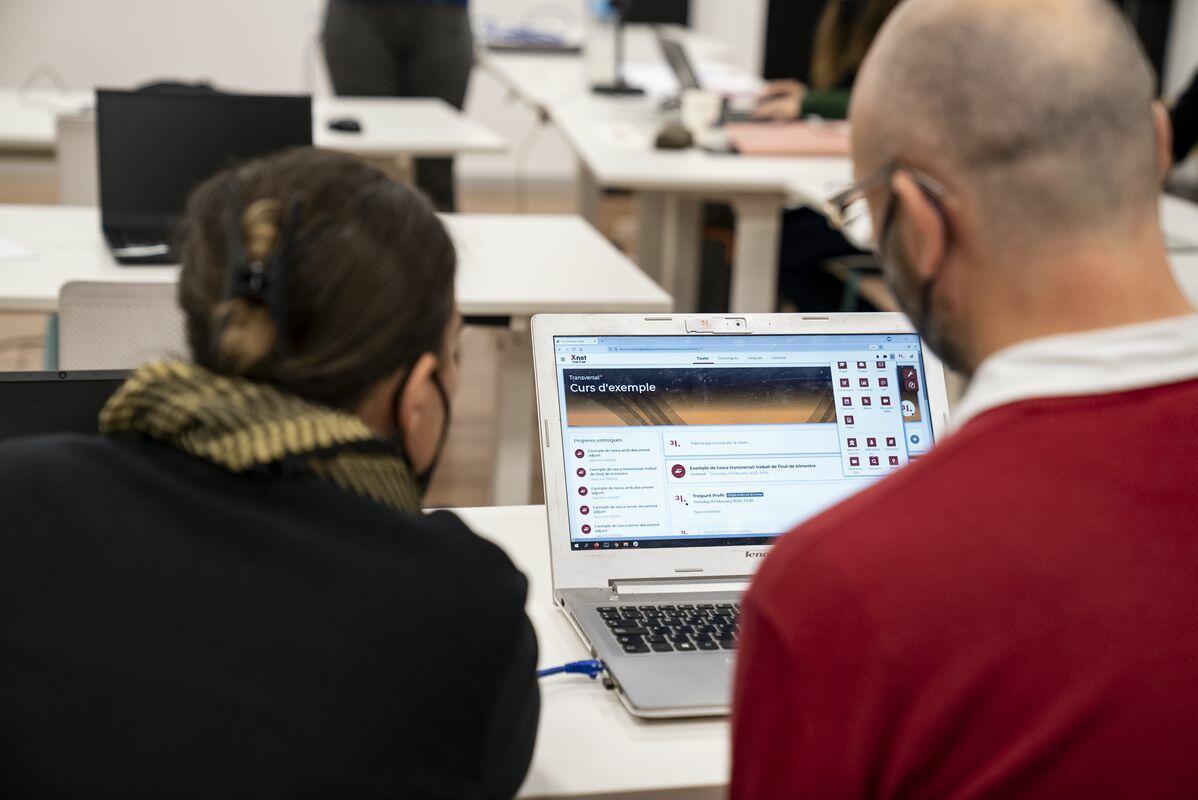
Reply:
x=924, y=234
x=1164, y=139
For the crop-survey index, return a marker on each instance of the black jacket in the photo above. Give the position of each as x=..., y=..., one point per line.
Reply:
x=1185, y=122
x=169, y=629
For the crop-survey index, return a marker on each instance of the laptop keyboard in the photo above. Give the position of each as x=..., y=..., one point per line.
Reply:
x=686, y=628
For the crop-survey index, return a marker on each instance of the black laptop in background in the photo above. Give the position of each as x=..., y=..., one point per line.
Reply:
x=154, y=147
x=37, y=403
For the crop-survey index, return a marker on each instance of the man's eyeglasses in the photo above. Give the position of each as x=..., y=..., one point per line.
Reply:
x=848, y=211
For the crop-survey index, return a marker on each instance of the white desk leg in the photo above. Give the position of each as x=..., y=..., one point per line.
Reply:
x=681, y=232
x=515, y=418
x=650, y=212
x=668, y=244
x=587, y=195
x=755, y=271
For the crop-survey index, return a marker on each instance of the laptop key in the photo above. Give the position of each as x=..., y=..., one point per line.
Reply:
x=661, y=647
x=629, y=639
x=653, y=638
x=630, y=632
x=639, y=647
x=685, y=647
x=728, y=644
x=707, y=645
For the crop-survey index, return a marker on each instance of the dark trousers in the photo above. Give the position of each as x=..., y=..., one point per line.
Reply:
x=403, y=50
x=807, y=242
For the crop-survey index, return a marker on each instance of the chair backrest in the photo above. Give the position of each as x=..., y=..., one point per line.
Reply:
x=116, y=325
x=78, y=174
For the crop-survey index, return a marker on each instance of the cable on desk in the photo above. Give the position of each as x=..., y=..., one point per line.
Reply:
x=591, y=669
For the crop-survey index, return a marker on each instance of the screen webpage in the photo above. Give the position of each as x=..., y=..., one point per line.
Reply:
x=683, y=441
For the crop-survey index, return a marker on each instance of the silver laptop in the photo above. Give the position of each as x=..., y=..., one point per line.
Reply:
x=677, y=448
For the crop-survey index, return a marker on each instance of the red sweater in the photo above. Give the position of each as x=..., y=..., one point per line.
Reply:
x=1014, y=615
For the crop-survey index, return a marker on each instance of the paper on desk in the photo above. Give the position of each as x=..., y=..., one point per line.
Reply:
x=11, y=251
x=790, y=138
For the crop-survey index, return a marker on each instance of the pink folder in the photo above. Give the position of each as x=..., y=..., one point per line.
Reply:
x=789, y=138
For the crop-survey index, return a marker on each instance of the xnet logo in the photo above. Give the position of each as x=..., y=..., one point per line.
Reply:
x=578, y=359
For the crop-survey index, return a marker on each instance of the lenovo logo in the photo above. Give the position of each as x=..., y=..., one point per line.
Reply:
x=755, y=553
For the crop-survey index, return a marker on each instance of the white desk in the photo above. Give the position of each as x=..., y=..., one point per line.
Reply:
x=588, y=745
x=391, y=127
x=510, y=268
x=613, y=138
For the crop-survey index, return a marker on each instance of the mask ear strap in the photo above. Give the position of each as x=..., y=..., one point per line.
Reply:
x=423, y=478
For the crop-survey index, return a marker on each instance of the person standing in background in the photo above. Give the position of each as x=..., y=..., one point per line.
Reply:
x=403, y=48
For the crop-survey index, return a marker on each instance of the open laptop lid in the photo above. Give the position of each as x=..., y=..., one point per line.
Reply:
x=679, y=447
x=674, y=52
x=37, y=403
x=155, y=147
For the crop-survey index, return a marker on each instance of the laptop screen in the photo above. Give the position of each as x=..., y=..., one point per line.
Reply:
x=154, y=148
x=685, y=441
x=35, y=403
x=680, y=64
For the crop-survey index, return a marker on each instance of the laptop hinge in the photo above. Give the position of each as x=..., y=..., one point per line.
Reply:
x=712, y=583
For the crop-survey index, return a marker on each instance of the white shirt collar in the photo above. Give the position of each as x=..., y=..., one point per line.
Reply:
x=1077, y=364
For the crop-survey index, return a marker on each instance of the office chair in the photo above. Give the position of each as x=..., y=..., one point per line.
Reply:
x=117, y=325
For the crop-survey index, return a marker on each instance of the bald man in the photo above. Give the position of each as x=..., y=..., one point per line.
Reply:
x=1016, y=614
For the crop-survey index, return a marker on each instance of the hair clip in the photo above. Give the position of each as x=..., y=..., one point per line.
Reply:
x=264, y=281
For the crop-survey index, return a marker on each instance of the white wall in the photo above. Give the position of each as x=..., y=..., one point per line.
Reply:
x=271, y=45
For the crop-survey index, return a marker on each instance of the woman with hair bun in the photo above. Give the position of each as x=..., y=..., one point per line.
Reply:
x=232, y=592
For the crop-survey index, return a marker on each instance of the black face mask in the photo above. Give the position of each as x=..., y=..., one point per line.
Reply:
x=915, y=301
x=422, y=479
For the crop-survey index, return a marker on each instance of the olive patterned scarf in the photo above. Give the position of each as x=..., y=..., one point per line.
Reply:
x=245, y=426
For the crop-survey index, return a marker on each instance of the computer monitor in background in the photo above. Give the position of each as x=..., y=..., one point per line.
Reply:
x=669, y=12
x=154, y=147
x=36, y=403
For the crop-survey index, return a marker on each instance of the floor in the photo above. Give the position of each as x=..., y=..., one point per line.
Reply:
x=464, y=476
